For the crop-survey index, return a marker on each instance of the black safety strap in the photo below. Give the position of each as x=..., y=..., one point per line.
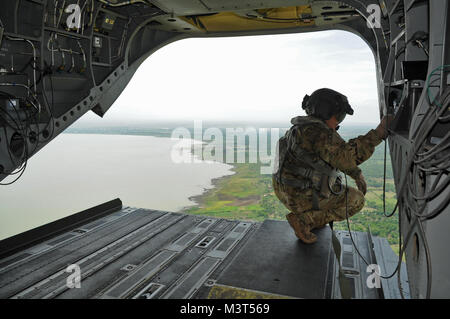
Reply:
x=296, y=183
x=302, y=171
x=315, y=199
x=309, y=158
x=344, y=284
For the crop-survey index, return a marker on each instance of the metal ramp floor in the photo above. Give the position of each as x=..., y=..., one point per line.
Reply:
x=141, y=253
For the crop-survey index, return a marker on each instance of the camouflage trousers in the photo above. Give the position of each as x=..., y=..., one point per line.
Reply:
x=331, y=209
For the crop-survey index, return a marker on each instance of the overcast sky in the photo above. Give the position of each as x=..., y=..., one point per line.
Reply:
x=258, y=78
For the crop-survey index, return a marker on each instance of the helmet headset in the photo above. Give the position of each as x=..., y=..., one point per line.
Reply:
x=324, y=103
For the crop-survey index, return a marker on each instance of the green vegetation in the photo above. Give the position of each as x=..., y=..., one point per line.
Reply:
x=245, y=195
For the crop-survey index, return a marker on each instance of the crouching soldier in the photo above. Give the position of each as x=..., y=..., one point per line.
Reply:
x=310, y=157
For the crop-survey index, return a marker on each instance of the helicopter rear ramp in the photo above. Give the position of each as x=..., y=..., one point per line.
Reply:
x=124, y=252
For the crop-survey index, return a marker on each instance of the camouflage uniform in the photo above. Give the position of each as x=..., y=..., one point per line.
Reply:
x=326, y=143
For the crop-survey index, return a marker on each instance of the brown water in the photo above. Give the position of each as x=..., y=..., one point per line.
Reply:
x=77, y=171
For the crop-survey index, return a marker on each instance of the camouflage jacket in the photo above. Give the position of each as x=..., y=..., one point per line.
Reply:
x=327, y=144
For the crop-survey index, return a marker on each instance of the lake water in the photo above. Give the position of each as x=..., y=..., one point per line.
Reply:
x=77, y=171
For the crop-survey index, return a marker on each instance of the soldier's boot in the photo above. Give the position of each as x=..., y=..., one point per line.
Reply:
x=302, y=227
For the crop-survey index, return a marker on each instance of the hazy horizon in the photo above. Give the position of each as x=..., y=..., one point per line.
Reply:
x=252, y=78
x=96, y=121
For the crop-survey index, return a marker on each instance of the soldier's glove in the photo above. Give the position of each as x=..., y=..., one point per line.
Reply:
x=361, y=183
x=382, y=129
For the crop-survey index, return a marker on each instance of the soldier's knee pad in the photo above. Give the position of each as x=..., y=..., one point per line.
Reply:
x=359, y=201
x=356, y=201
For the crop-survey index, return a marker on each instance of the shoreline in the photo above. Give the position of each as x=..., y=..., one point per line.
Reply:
x=199, y=200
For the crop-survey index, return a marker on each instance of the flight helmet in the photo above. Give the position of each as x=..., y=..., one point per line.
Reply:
x=324, y=103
